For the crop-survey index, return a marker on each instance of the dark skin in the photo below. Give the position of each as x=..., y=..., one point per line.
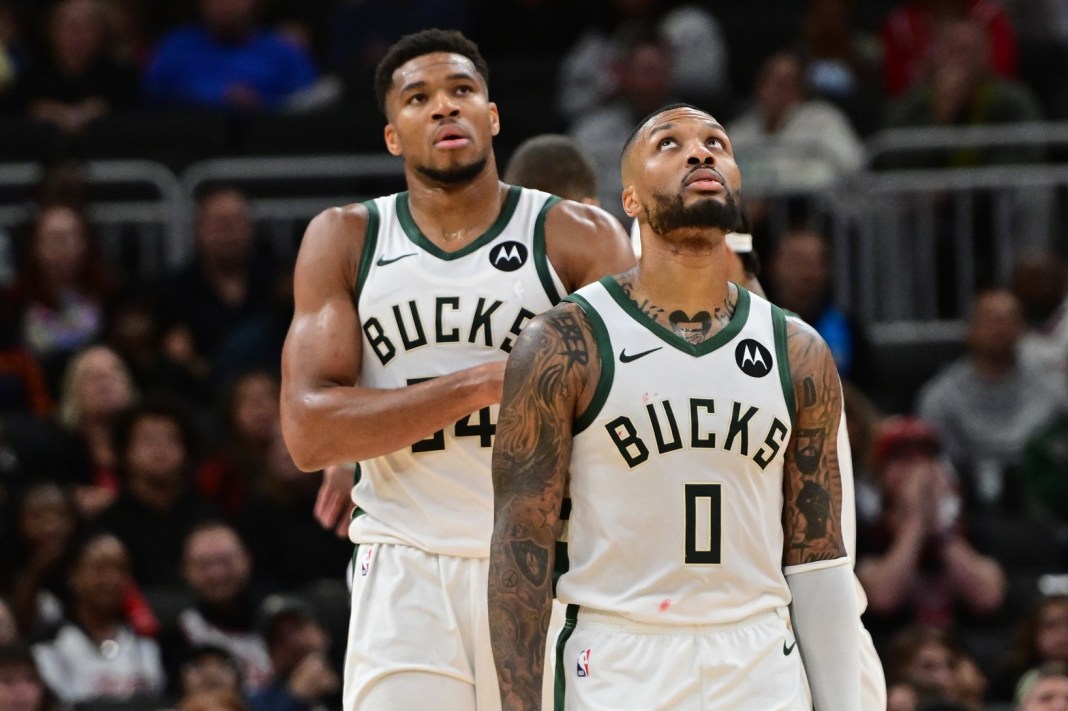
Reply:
x=554, y=368
x=440, y=121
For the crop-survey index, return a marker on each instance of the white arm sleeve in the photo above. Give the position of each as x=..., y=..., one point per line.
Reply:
x=826, y=614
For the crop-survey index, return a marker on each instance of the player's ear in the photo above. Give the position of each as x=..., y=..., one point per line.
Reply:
x=393, y=144
x=631, y=204
x=495, y=119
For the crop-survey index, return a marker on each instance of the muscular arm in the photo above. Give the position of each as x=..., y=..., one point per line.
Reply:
x=544, y=384
x=585, y=243
x=327, y=417
x=825, y=607
x=812, y=484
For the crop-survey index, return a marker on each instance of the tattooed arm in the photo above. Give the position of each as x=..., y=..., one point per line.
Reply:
x=544, y=386
x=825, y=608
x=812, y=486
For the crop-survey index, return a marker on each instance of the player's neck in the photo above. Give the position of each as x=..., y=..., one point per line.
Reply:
x=455, y=215
x=680, y=278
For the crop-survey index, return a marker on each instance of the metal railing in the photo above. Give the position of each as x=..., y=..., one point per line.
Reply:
x=909, y=245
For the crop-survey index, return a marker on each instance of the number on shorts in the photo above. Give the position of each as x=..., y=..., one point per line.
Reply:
x=703, y=524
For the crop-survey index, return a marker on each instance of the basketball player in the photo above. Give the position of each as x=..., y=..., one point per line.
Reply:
x=696, y=426
x=553, y=163
x=406, y=308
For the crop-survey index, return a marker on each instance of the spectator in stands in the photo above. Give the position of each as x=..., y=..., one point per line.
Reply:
x=46, y=523
x=94, y=654
x=908, y=36
x=97, y=387
x=289, y=547
x=591, y=74
x=1040, y=282
x=80, y=78
x=298, y=645
x=1042, y=638
x=134, y=330
x=987, y=405
x=228, y=60
x=217, y=570
x=915, y=563
x=842, y=63
x=250, y=420
x=157, y=507
x=643, y=71
x=21, y=686
x=786, y=135
x=1042, y=27
x=962, y=91
x=862, y=423
x=223, y=288
x=61, y=289
x=256, y=343
x=935, y=666
x=1044, y=689
x=799, y=280
x=23, y=387
x=206, y=668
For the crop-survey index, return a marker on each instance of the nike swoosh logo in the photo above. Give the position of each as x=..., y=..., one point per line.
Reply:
x=382, y=261
x=786, y=650
x=624, y=357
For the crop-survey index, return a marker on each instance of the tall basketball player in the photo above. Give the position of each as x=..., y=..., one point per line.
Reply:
x=696, y=428
x=406, y=309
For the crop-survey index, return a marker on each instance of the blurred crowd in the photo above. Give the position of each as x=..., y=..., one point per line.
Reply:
x=158, y=540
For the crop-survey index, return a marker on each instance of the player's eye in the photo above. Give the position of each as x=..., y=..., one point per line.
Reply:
x=665, y=143
x=715, y=142
x=464, y=89
x=416, y=98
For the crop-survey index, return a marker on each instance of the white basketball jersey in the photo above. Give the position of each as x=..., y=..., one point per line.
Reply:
x=425, y=313
x=677, y=467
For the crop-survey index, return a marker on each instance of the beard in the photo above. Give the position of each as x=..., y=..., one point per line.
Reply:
x=672, y=214
x=455, y=176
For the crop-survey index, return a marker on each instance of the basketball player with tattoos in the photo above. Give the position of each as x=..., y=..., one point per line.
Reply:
x=695, y=428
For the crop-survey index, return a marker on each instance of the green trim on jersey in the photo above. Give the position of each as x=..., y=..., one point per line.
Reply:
x=370, y=243
x=782, y=355
x=608, y=364
x=541, y=258
x=565, y=634
x=407, y=223
x=741, y=314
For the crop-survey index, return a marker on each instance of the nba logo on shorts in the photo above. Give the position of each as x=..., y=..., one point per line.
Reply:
x=365, y=560
x=584, y=663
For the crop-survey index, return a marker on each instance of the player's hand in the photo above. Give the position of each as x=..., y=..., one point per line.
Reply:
x=333, y=505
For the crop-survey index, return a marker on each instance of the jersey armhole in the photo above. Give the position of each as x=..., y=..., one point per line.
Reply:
x=782, y=356
x=608, y=365
x=370, y=243
x=541, y=257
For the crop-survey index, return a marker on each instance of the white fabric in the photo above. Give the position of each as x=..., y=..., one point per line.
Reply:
x=614, y=664
x=78, y=669
x=825, y=616
x=640, y=493
x=419, y=629
x=425, y=316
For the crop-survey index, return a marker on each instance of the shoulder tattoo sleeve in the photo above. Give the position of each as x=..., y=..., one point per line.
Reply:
x=546, y=373
x=812, y=484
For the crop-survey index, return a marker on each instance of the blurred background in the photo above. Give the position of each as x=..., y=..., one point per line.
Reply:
x=905, y=176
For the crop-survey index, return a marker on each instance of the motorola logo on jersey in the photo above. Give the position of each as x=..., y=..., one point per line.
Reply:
x=508, y=256
x=753, y=358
